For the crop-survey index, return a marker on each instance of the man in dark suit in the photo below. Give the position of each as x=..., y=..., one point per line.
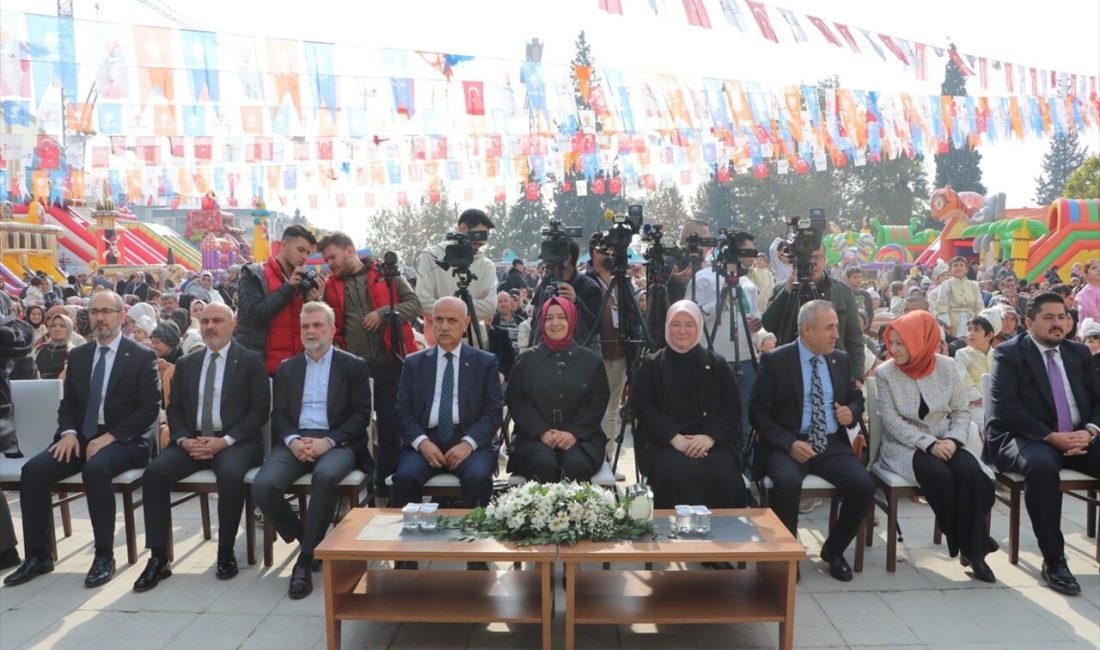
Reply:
x=448, y=428
x=813, y=437
x=220, y=402
x=111, y=400
x=1045, y=416
x=319, y=425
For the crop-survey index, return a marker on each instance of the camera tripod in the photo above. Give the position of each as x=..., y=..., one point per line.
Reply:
x=803, y=290
x=464, y=276
x=393, y=322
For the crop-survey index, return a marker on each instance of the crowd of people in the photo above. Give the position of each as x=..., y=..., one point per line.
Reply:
x=743, y=376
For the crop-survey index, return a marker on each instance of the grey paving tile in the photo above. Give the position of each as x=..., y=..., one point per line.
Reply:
x=863, y=618
x=216, y=630
x=364, y=634
x=87, y=629
x=252, y=594
x=17, y=626
x=286, y=632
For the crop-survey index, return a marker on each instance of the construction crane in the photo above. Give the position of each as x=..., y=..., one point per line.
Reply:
x=168, y=12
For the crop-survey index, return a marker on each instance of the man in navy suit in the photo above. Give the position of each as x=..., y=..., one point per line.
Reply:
x=111, y=399
x=319, y=425
x=1045, y=416
x=450, y=427
x=812, y=437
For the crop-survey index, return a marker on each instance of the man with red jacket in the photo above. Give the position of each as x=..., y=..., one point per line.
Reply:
x=363, y=300
x=270, y=298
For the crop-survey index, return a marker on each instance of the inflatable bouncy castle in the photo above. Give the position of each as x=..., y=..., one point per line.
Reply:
x=1073, y=235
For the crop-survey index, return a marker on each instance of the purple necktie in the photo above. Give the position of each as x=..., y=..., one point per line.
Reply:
x=1061, y=403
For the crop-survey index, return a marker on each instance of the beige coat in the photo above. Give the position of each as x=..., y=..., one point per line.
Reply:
x=898, y=404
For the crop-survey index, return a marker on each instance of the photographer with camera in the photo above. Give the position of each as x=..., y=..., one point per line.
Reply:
x=696, y=245
x=270, y=296
x=806, y=251
x=737, y=316
x=437, y=264
x=560, y=253
x=362, y=293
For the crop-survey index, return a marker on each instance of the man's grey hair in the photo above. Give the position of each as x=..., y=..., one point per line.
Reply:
x=916, y=298
x=314, y=307
x=809, y=312
x=447, y=300
x=120, y=304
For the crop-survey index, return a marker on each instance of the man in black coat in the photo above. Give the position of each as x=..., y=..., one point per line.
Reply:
x=318, y=425
x=220, y=402
x=111, y=400
x=813, y=437
x=16, y=338
x=1045, y=417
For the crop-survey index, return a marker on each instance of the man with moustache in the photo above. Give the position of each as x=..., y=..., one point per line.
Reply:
x=111, y=399
x=1045, y=415
x=220, y=401
x=321, y=413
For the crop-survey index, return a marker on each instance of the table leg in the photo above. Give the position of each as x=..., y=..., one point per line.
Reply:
x=332, y=625
x=546, y=570
x=786, y=627
x=570, y=604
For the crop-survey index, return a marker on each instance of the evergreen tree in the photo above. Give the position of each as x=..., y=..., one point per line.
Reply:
x=586, y=211
x=1066, y=155
x=1085, y=182
x=666, y=207
x=411, y=228
x=959, y=168
x=518, y=228
x=583, y=57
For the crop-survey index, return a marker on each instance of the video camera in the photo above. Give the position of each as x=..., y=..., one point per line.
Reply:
x=620, y=234
x=804, y=238
x=730, y=250
x=555, y=244
x=460, y=254
x=389, y=265
x=659, y=259
x=694, y=250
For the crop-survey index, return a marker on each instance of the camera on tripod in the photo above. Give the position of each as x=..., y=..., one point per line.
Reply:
x=389, y=265
x=694, y=250
x=729, y=251
x=616, y=241
x=659, y=259
x=461, y=253
x=805, y=237
x=555, y=250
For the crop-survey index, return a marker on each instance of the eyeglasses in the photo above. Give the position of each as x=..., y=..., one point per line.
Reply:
x=102, y=312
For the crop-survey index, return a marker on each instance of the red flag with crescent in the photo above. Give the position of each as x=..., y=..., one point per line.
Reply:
x=824, y=29
x=475, y=97
x=760, y=14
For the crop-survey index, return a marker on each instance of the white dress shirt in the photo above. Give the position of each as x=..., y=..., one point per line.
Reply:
x=433, y=416
x=219, y=375
x=1074, y=412
x=314, y=413
x=706, y=296
x=108, y=365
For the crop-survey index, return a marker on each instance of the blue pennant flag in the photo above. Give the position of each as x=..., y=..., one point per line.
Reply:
x=320, y=68
x=200, y=55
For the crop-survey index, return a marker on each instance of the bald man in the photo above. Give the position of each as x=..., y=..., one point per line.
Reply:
x=220, y=402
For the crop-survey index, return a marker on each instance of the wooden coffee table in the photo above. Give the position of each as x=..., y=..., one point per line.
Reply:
x=353, y=591
x=757, y=595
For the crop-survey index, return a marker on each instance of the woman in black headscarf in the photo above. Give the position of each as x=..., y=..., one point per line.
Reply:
x=688, y=408
x=557, y=396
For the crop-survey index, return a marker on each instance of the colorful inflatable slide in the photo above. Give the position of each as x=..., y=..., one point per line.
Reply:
x=1073, y=236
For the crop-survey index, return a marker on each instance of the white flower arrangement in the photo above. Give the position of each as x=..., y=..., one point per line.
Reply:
x=554, y=513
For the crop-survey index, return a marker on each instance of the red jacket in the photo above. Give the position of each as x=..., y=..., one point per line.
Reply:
x=284, y=334
x=379, y=297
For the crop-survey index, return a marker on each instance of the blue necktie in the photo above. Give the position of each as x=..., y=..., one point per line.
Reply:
x=446, y=426
x=817, y=409
x=95, y=395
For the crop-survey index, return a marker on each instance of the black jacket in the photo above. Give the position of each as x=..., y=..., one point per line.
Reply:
x=16, y=338
x=589, y=296
x=256, y=308
x=246, y=398
x=780, y=318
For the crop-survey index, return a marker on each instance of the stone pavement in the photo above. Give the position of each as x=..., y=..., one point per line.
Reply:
x=930, y=602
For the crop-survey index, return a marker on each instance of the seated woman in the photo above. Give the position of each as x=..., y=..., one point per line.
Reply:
x=929, y=438
x=557, y=396
x=975, y=360
x=53, y=351
x=688, y=407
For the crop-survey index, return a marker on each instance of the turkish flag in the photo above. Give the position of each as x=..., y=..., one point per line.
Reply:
x=532, y=192
x=475, y=97
x=341, y=201
x=500, y=196
x=696, y=13
x=824, y=29
x=760, y=170
x=598, y=186
x=566, y=186
x=402, y=199
x=101, y=157
x=175, y=145
x=724, y=175
x=368, y=200
x=324, y=149
x=494, y=148
x=48, y=153
x=434, y=196
x=760, y=13
x=650, y=182
x=203, y=148
x=611, y=6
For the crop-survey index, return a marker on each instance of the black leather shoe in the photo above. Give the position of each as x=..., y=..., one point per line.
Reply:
x=103, y=569
x=9, y=558
x=981, y=571
x=301, y=582
x=226, y=567
x=406, y=565
x=477, y=566
x=31, y=567
x=838, y=566
x=156, y=569
x=316, y=565
x=1058, y=577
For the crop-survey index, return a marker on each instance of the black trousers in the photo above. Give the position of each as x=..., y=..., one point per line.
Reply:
x=538, y=462
x=280, y=470
x=475, y=476
x=7, y=528
x=1040, y=463
x=837, y=465
x=229, y=465
x=386, y=378
x=42, y=471
x=961, y=495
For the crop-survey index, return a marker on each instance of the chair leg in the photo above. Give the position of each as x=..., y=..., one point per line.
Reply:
x=269, y=543
x=891, y=532
x=937, y=534
x=204, y=508
x=834, y=512
x=1090, y=514
x=53, y=536
x=857, y=566
x=1014, y=525
x=171, y=550
x=66, y=517
x=249, y=527
x=131, y=528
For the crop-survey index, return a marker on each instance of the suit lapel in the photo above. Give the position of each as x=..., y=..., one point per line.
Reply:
x=229, y=378
x=122, y=357
x=1074, y=372
x=795, y=366
x=330, y=402
x=430, y=357
x=840, y=384
x=467, y=361
x=1034, y=358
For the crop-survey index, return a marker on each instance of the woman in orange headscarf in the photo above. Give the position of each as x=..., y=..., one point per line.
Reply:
x=929, y=438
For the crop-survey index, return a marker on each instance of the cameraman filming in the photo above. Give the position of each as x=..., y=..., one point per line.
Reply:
x=843, y=302
x=270, y=296
x=580, y=289
x=740, y=258
x=691, y=234
x=359, y=292
x=434, y=282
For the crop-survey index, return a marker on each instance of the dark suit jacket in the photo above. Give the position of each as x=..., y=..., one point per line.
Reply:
x=348, y=402
x=1022, y=402
x=133, y=392
x=776, y=406
x=479, y=397
x=246, y=398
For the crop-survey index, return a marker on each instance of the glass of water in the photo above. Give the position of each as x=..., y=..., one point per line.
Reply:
x=701, y=515
x=684, y=516
x=429, y=517
x=410, y=520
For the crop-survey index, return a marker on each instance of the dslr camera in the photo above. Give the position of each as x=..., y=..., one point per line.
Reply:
x=730, y=251
x=804, y=238
x=460, y=253
x=310, y=281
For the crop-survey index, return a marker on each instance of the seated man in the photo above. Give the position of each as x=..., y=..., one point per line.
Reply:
x=220, y=401
x=450, y=428
x=1045, y=415
x=111, y=399
x=812, y=438
x=321, y=413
